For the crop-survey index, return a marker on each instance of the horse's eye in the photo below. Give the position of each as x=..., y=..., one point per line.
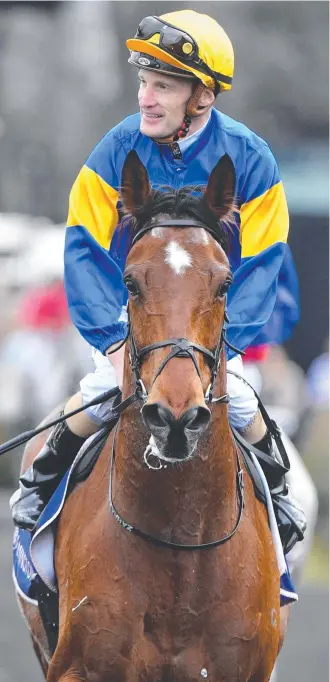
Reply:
x=223, y=288
x=131, y=286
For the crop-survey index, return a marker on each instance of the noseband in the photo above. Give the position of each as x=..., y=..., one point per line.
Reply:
x=181, y=348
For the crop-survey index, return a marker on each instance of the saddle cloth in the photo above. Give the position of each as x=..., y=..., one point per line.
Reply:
x=33, y=557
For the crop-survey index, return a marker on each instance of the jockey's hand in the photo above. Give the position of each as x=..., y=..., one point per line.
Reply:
x=117, y=360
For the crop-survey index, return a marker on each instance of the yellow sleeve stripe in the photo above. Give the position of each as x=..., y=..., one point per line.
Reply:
x=93, y=204
x=264, y=221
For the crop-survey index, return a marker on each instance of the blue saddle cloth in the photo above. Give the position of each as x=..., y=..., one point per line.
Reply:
x=33, y=555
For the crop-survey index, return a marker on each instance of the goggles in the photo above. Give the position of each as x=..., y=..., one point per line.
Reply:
x=179, y=44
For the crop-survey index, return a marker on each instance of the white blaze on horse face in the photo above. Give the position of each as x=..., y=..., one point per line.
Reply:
x=177, y=257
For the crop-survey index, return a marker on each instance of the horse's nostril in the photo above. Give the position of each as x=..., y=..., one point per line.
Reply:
x=156, y=416
x=193, y=421
x=196, y=419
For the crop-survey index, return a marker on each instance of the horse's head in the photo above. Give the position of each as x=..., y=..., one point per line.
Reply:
x=177, y=274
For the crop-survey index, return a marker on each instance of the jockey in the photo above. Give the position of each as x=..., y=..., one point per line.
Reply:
x=184, y=61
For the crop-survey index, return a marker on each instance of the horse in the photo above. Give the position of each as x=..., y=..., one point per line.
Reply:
x=164, y=559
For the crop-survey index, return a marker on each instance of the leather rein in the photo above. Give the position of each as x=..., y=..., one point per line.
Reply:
x=180, y=348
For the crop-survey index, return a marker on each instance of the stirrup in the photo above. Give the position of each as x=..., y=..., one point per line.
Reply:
x=291, y=519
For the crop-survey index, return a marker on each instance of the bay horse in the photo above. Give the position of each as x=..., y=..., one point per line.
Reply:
x=164, y=559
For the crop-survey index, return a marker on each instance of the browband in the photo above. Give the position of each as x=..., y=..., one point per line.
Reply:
x=176, y=223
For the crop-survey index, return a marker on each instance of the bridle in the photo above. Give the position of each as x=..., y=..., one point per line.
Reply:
x=180, y=348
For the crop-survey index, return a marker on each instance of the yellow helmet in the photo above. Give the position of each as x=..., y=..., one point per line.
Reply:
x=189, y=43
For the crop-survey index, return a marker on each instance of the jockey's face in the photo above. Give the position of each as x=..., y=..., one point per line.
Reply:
x=162, y=100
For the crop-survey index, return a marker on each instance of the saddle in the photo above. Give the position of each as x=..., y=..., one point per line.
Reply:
x=88, y=456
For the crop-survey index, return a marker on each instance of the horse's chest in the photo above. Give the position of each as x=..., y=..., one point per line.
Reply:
x=163, y=643
x=184, y=645
x=198, y=645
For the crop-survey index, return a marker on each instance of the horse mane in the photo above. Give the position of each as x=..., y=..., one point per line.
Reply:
x=184, y=203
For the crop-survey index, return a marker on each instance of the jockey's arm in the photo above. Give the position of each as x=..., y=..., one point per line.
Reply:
x=93, y=279
x=264, y=225
x=116, y=358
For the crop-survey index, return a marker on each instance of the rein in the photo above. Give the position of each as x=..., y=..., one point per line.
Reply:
x=182, y=348
x=166, y=543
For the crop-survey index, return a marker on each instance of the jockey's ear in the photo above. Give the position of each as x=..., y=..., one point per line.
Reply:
x=220, y=191
x=135, y=185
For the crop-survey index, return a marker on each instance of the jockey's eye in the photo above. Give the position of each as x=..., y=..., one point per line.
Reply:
x=223, y=289
x=131, y=286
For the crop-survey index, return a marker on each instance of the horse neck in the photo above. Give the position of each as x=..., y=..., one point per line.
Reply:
x=194, y=502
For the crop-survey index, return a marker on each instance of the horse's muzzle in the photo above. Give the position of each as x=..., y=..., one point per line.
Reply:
x=175, y=438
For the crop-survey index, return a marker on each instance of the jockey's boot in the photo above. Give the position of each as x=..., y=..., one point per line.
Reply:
x=39, y=482
x=291, y=519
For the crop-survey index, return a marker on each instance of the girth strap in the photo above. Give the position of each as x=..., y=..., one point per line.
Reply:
x=271, y=463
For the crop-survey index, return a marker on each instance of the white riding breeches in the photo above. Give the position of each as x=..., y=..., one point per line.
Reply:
x=242, y=407
x=95, y=383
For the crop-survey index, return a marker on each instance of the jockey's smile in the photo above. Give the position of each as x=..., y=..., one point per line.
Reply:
x=162, y=101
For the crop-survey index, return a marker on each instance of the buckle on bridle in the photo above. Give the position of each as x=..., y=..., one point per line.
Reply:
x=141, y=390
x=209, y=396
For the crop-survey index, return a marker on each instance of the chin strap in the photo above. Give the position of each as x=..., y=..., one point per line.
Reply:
x=192, y=111
x=184, y=130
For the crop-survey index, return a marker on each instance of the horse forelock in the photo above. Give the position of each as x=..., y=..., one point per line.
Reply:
x=184, y=203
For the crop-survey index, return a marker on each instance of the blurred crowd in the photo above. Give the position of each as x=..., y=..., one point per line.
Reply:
x=42, y=356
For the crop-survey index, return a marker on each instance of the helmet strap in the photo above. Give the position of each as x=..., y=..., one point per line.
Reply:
x=184, y=130
x=192, y=111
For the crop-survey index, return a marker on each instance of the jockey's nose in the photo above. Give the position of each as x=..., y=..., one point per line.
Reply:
x=177, y=433
x=146, y=97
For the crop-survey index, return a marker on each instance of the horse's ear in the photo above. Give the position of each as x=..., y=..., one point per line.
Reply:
x=135, y=185
x=220, y=191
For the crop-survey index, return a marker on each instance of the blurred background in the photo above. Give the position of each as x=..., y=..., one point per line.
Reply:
x=65, y=81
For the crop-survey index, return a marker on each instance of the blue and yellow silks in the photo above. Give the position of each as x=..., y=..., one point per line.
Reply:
x=95, y=255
